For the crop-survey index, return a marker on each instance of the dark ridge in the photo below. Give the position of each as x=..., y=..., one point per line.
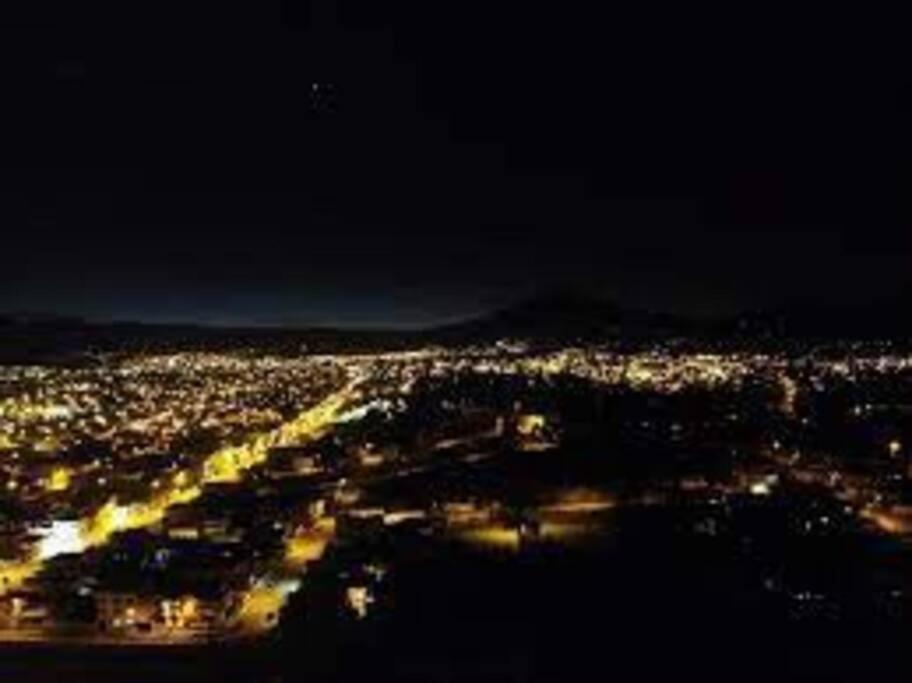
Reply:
x=884, y=318
x=554, y=317
x=569, y=316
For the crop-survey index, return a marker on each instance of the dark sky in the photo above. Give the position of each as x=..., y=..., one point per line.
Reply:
x=370, y=162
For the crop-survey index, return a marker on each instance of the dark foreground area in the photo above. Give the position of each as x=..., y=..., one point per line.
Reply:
x=635, y=605
x=639, y=612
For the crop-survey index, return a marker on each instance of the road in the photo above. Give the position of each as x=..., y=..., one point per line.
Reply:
x=264, y=600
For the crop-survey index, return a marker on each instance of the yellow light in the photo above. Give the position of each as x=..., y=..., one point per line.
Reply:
x=59, y=479
x=529, y=424
x=311, y=544
x=886, y=522
x=189, y=609
x=581, y=500
x=492, y=536
x=358, y=599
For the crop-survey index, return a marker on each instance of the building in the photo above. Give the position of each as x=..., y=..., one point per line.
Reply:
x=294, y=461
x=167, y=610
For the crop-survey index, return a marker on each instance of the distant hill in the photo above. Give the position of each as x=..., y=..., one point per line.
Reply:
x=886, y=318
x=28, y=339
x=558, y=317
x=565, y=316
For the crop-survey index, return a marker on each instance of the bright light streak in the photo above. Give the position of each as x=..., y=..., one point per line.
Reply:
x=75, y=536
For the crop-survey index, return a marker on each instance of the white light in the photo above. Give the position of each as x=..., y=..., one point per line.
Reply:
x=760, y=488
x=60, y=538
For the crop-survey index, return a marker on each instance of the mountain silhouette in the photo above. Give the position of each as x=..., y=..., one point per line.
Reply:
x=565, y=316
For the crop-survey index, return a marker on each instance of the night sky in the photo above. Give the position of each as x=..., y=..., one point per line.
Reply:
x=403, y=163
